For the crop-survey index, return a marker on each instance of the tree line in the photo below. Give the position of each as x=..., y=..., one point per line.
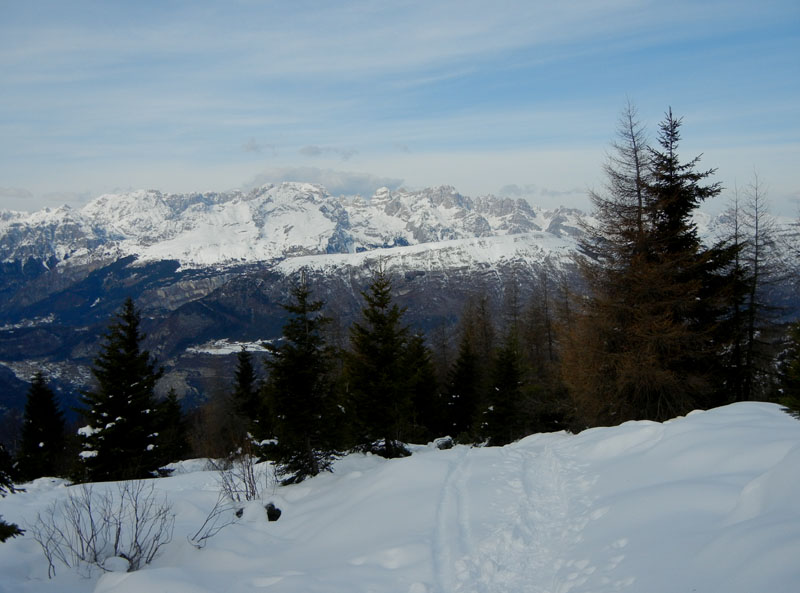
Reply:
x=664, y=324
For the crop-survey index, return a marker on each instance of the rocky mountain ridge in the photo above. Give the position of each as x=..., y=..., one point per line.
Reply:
x=268, y=223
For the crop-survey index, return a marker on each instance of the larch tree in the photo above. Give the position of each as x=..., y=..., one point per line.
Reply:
x=595, y=353
x=121, y=436
x=41, y=451
x=753, y=231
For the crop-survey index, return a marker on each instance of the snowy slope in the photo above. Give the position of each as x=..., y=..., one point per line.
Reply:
x=456, y=254
x=710, y=502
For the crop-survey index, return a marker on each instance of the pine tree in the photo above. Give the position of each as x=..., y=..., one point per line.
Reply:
x=376, y=373
x=7, y=530
x=121, y=437
x=41, y=450
x=302, y=390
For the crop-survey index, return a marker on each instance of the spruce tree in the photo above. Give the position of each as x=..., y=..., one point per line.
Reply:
x=301, y=388
x=789, y=373
x=698, y=285
x=504, y=418
x=463, y=395
x=7, y=530
x=427, y=414
x=121, y=437
x=375, y=371
x=172, y=442
x=248, y=399
x=41, y=450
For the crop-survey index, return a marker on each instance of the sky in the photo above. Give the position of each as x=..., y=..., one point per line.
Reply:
x=512, y=98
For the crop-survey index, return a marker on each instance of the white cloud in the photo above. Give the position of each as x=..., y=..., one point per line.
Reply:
x=15, y=193
x=317, y=151
x=336, y=182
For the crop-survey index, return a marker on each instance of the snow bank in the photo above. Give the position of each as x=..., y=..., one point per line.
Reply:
x=710, y=502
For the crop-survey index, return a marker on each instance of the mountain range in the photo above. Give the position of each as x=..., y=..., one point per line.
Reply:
x=210, y=271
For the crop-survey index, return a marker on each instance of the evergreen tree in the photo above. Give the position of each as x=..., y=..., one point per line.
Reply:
x=7, y=530
x=504, y=419
x=650, y=337
x=41, y=450
x=427, y=416
x=698, y=285
x=248, y=399
x=378, y=383
x=467, y=379
x=121, y=437
x=463, y=397
x=302, y=390
x=789, y=370
x=173, y=440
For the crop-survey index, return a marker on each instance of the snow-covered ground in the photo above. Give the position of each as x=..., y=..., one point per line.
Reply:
x=706, y=503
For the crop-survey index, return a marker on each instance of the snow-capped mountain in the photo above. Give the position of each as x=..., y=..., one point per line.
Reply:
x=271, y=222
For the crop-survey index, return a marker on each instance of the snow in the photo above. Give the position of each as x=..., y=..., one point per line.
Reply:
x=456, y=254
x=709, y=502
x=87, y=431
x=224, y=347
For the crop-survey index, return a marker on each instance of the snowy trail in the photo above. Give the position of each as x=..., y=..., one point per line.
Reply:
x=525, y=526
x=452, y=537
x=510, y=519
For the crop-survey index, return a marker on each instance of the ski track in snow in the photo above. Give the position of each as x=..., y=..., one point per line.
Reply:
x=529, y=530
x=452, y=537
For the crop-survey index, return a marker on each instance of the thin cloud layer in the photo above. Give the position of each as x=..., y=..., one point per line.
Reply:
x=337, y=183
x=15, y=193
x=315, y=151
